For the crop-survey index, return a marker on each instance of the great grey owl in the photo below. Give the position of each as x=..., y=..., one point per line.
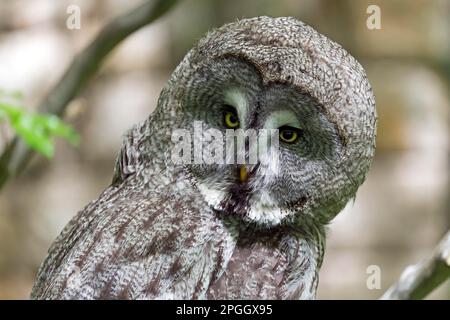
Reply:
x=170, y=230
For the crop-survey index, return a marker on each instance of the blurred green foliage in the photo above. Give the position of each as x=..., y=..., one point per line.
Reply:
x=37, y=130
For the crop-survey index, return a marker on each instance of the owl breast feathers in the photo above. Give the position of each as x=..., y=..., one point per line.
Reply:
x=217, y=230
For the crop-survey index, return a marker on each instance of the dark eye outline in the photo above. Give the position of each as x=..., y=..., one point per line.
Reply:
x=230, y=111
x=297, y=133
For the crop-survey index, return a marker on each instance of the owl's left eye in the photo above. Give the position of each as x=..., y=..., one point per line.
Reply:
x=230, y=118
x=289, y=134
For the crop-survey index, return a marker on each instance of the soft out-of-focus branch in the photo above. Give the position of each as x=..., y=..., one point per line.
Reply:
x=16, y=155
x=417, y=281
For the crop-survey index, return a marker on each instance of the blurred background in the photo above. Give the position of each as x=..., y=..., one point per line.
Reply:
x=401, y=211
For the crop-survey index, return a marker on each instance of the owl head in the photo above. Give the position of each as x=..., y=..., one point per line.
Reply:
x=307, y=100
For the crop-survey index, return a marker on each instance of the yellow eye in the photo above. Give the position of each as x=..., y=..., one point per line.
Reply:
x=289, y=134
x=231, y=120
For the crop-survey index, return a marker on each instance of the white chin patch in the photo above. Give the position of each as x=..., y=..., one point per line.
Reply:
x=262, y=209
x=265, y=211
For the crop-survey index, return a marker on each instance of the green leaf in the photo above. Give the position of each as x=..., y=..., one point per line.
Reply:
x=37, y=130
x=56, y=127
x=34, y=134
x=12, y=112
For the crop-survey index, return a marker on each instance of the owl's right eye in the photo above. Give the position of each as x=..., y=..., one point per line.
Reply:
x=230, y=118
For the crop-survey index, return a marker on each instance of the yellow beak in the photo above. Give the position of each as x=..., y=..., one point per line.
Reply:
x=243, y=175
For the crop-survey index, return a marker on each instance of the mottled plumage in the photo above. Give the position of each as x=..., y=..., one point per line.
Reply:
x=165, y=230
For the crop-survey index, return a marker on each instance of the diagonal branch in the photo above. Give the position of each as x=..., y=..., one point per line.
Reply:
x=417, y=281
x=17, y=155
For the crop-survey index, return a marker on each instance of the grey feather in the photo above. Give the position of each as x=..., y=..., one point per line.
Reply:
x=156, y=233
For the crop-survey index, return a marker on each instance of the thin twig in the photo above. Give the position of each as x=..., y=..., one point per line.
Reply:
x=417, y=281
x=17, y=155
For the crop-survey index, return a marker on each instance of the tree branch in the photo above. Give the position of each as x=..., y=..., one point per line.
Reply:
x=17, y=155
x=417, y=281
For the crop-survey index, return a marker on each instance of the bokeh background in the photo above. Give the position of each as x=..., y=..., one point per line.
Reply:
x=399, y=214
